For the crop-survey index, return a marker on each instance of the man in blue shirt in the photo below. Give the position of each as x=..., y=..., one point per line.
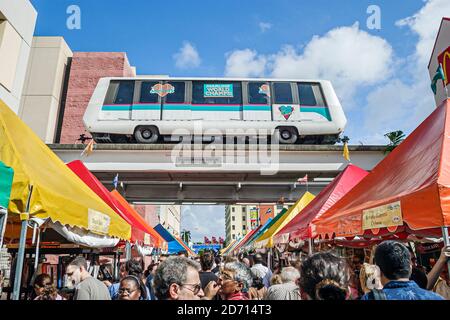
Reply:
x=394, y=261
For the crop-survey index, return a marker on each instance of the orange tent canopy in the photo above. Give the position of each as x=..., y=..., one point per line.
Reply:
x=407, y=192
x=157, y=239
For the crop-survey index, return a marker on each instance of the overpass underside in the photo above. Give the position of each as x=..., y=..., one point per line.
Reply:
x=171, y=173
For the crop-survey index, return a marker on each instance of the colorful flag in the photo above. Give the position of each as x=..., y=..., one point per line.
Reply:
x=116, y=181
x=346, y=152
x=438, y=75
x=214, y=240
x=221, y=241
x=304, y=179
x=89, y=149
x=206, y=240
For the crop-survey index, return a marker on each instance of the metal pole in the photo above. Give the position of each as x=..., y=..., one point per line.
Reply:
x=128, y=251
x=19, y=261
x=38, y=242
x=446, y=244
x=3, y=221
x=21, y=251
x=310, y=247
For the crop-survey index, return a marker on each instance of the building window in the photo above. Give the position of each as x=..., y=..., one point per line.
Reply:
x=232, y=218
x=243, y=218
x=233, y=209
x=283, y=94
x=233, y=227
x=244, y=209
x=234, y=237
x=244, y=227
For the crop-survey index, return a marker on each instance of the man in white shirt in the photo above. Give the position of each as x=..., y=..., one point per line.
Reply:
x=261, y=271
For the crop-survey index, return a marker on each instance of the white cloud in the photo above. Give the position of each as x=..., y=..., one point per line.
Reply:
x=245, y=63
x=425, y=23
x=187, y=57
x=264, y=26
x=203, y=220
x=347, y=56
x=400, y=104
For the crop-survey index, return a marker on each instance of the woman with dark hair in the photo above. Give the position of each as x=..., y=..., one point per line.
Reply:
x=44, y=289
x=132, y=288
x=257, y=291
x=132, y=268
x=325, y=276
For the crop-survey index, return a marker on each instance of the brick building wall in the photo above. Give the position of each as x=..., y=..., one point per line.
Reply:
x=86, y=69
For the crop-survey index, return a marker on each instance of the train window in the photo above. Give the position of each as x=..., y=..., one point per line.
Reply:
x=310, y=94
x=177, y=96
x=125, y=93
x=149, y=92
x=216, y=92
x=283, y=93
x=258, y=93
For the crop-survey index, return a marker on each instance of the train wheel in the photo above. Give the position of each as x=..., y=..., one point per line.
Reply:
x=146, y=134
x=287, y=135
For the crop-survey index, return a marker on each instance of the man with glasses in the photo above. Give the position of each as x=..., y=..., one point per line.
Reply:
x=234, y=281
x=86, y=286
x=177, y=278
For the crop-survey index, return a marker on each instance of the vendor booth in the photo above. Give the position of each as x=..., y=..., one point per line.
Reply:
x=46, y=194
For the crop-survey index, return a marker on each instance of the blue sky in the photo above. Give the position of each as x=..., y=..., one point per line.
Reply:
x=380, y=75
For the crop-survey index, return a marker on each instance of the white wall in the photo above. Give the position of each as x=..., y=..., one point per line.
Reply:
x=442, y=43
x=18, y=19
x=43, y=87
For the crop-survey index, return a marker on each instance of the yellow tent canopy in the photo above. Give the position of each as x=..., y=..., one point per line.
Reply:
x=224, y=250
x=266, y=239
x=57, y=193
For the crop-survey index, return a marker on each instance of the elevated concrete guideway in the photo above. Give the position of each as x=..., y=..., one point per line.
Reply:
x=221, y=174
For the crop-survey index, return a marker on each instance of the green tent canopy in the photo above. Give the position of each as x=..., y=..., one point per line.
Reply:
x=6, y=179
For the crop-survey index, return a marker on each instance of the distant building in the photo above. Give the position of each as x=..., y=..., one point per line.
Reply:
x=17, y=22
x=441, y=56
x=240, y=219
x=170, y=218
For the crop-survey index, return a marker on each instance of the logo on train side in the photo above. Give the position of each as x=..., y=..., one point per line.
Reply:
x=286, y=111
x=162, y=90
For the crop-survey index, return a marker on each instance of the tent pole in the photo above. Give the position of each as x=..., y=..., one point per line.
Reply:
x=310, y=247
x=21, y=251
x=128, y=251
x=38, y=242
x=19, y=261
x=446, y=244
x=3, y=220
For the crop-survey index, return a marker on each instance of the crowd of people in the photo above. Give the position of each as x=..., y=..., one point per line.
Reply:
x=393, y=275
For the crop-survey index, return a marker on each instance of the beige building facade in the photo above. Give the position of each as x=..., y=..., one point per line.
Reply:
x=170, y=218
x=17, y=23
x=43, y=98
x=241, y=219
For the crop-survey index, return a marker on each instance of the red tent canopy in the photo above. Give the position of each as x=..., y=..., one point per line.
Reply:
x=301, y=226
x=407, y=192
x=247, y=237
x=137, y=230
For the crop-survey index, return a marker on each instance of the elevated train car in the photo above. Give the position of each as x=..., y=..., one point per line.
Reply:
x=151, y=110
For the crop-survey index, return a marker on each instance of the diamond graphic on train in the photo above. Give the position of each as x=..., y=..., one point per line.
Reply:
x=163, y=90
x=286, y=111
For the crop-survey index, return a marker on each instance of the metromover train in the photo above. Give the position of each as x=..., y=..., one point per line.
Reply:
x=152, y=109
